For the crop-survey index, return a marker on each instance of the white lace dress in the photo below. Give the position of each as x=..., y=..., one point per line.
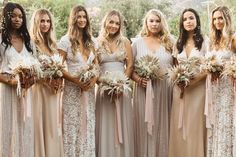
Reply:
x=221, y=134
x=77, y=106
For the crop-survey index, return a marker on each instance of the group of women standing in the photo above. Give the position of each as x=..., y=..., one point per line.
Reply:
x=46, y=121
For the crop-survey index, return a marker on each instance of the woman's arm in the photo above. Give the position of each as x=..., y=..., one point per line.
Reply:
x=129, y=58
x=7, y=80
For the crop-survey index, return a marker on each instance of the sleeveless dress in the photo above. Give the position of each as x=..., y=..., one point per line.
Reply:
x=221, y=133
x=78, y=107
x=107, y=142
x=16, y=129
x=188, y=125
x=155, y=144
x=46, y=111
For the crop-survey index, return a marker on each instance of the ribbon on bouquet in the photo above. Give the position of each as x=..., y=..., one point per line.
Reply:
x=59, y=115
x=26, y=104
x=149, y=117
x=208, y=111
x=84, y=100
x=234, y=142
x=118, y=121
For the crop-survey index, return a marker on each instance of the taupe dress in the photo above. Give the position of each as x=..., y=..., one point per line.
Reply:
x=155, y=144
x=107, y=142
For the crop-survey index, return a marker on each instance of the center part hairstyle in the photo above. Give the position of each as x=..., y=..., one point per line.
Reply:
x=49, y=37
x=6, y=28
x=183, y=34
x=74, y=32
x=104, y=34
x=220, y=39
x=164, y=33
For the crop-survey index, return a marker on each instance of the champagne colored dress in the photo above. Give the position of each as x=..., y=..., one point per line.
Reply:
x=188, y=125
x=47, y=126
x=156, y=143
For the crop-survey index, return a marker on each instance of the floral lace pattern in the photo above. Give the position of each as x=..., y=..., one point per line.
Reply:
x=74, y=144
x=221, y=135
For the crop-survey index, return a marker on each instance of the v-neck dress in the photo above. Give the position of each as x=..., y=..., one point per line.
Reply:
x=107, y=129
x=188, y=125
x=78, y=106
x=47, y=128
x=16, y=130
x=155, y=145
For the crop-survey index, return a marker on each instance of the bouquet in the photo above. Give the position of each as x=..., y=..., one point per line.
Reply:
x=181, y=75
x=114, y=83
x=87, y=72
x=213, y=65
x=24, y=71
x=52, y=66
x=230, y=68
x=148, y=67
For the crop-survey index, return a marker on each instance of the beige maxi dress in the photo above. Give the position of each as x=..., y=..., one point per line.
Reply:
x=187, y=126
x=47, y=122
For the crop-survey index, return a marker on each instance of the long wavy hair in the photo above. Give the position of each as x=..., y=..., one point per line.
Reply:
x=74, y=32
x=183, y=34
x=164, y=33
x=220, y=39
x=104, y=34
x=6, y=28
x=49, y=37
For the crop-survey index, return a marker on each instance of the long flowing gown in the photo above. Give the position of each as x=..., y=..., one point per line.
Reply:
x=107, y=128
x=187, y=126
x=78, y=108
x=155, y=144
x=16, y=119
x=47, y=126
x=221, y=133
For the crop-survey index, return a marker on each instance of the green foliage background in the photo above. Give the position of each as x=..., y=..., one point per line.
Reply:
x=132, y=10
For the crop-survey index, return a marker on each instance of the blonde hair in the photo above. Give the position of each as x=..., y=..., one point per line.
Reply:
x=164, y=33
x=74, y=32
x=221, y=39
x=36, y=35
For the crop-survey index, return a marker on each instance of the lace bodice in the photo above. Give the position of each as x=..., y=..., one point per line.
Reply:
x=74, y=62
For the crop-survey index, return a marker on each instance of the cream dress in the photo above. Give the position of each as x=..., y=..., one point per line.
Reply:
x=16, y=120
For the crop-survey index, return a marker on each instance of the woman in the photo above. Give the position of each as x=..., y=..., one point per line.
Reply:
x=187, y=126
x=114, y=127
x=79, y=98
x=221, y=129
x=151, y=135
x=47, y=133
x=16, y=130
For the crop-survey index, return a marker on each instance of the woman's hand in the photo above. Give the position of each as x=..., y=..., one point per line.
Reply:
x=143, y=82
x=86, y=85
x=55, y=84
